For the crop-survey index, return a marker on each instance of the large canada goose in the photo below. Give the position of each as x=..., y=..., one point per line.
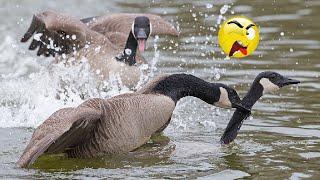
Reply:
x=123, y=123
x=265, y=82
x=101, y=40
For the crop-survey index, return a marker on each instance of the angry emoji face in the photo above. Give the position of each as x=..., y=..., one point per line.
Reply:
x=238, y=37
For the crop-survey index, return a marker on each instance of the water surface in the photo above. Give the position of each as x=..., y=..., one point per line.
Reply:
x=280, y=140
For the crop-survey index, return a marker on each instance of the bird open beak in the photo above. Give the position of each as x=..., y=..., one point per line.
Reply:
x=287, y=81
x=141, y=38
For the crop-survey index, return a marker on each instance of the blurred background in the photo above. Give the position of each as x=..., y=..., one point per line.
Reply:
x=280, y=140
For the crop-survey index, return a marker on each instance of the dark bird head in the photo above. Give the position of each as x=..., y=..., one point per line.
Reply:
x=272, y=81
x=265, y=82
x=229, y=98
x=141, y=29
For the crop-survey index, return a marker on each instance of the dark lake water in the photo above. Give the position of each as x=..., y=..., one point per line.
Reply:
x=281, y=140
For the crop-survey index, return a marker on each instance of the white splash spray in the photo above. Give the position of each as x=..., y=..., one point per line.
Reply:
x=31, y=91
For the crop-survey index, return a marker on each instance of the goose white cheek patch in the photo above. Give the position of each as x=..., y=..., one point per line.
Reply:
x=224, y=100
x=268, y=86
x=132, y=30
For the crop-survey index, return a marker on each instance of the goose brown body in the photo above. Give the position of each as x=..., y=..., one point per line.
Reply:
x=100, y=127
x=119, y=124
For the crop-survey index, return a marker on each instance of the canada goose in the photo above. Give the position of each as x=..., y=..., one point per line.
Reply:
x=265, y=82
x=115, y=26
x=123, y=123
x=60, y=34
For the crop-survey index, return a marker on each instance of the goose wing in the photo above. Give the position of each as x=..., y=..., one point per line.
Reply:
x=130, y=120
x=55, y=33
x=122, y=22
x=61, y=130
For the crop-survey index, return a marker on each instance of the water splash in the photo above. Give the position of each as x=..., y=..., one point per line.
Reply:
x=223, y=11
x=31, y=91
x=147, y=72
x=27, y=100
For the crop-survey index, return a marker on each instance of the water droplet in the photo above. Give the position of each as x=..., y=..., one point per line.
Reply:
x=208, y=6
x=217, y=76
x=224, y=9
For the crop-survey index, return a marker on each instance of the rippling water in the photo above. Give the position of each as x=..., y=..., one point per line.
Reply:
x=280, y=140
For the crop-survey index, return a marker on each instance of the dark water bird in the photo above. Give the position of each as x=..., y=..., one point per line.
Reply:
x=110, y=43
x=265, y=82
x=122, y=123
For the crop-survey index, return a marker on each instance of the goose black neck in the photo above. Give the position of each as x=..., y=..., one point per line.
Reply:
x=131, y=46
x=253, y=95
x=177, y=86
x=235, y=123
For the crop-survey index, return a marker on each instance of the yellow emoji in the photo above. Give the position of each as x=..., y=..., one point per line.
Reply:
x=238, y=37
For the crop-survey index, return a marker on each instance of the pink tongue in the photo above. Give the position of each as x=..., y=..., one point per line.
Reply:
x=243, y=50
x=141, y=44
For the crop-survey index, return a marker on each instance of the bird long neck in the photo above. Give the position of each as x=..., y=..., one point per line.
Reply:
x=253, y=95
x=129, y=53
x=178, y=86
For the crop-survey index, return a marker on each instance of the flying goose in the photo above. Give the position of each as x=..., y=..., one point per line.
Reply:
x=123, y=123
x=265, y=82
x=107, y=51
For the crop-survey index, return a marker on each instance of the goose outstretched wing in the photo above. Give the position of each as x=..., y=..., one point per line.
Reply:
x=65, y=128
x=54, y=33
x=122, y=22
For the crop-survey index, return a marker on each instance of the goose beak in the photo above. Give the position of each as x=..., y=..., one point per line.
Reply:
x=141, y=38
x=141, y=45
x=287, y=81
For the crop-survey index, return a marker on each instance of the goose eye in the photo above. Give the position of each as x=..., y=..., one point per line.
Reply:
x=273, y=75
x=251, y=33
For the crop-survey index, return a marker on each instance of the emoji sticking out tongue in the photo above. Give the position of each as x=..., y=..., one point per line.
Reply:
x=236, y=35
x=244, y=51
x=238, y=47
x=141, y=45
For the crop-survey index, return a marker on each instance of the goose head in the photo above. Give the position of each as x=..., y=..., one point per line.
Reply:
x=272, y=81
x=265, y=82
x=141, y=30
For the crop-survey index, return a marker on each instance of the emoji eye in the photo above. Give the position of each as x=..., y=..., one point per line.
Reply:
x=251, y=33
